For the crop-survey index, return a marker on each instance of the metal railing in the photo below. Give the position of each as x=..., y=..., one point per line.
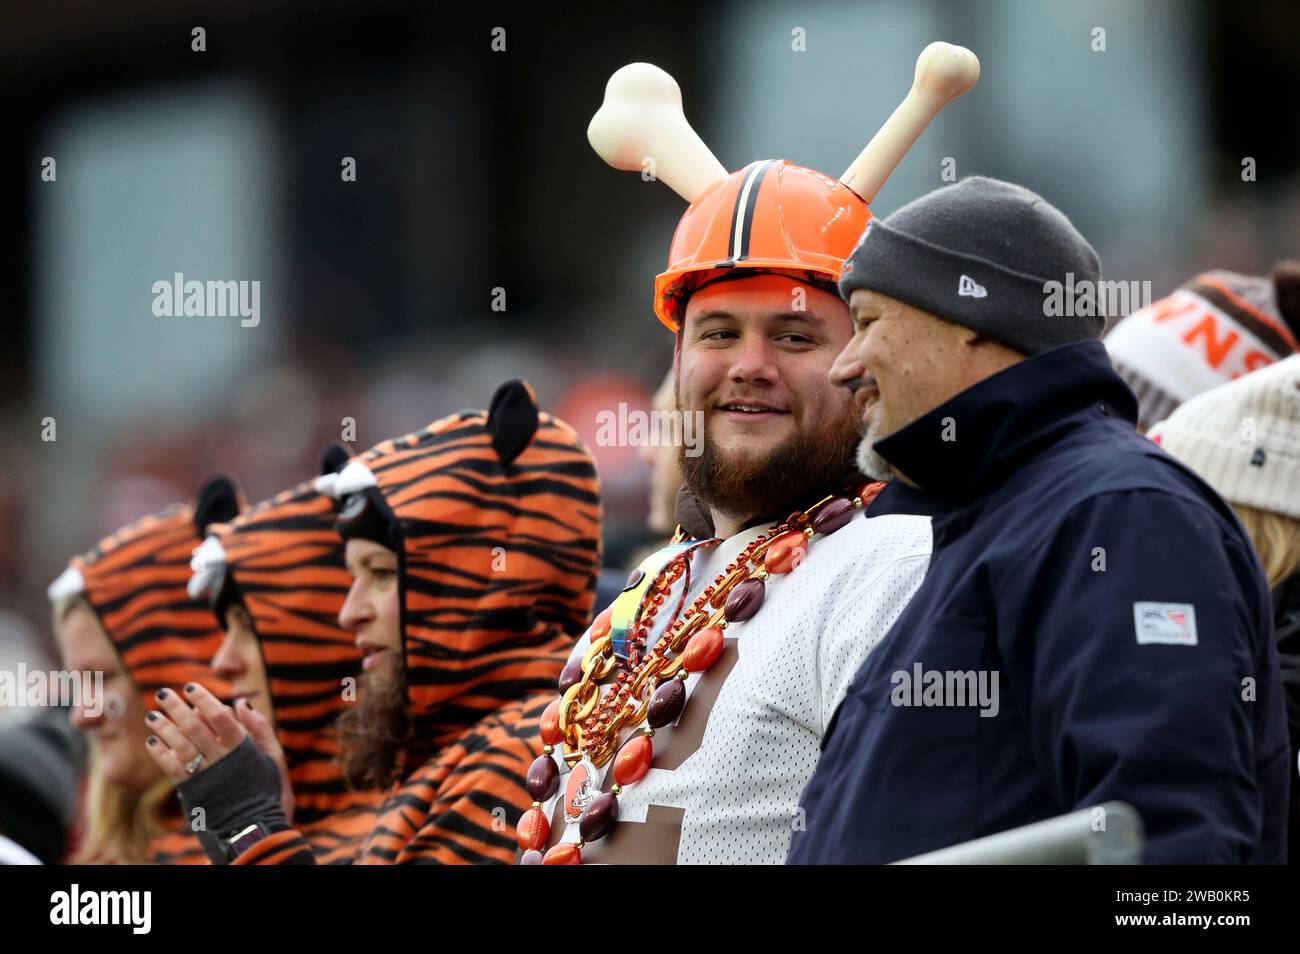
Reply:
x=1107, y=834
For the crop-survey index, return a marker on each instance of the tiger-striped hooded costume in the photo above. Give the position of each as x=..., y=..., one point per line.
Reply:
x=499, y=517
x=285, y=564
x=135, y=581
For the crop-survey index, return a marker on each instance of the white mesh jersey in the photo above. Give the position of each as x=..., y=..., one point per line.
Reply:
x=725, y=783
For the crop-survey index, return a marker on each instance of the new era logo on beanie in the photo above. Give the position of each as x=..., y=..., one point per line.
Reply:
x=1014, y=240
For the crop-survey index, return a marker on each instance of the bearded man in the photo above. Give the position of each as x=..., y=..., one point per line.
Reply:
x=725, y=657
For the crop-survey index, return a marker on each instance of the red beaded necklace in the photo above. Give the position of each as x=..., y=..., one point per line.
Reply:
x=650, y=686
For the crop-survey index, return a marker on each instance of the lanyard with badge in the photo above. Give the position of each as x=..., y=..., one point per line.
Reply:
x=627, y=608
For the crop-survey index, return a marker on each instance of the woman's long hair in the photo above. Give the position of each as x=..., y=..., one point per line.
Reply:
x=117, y=824
x=1277, y=541
x=120, y=823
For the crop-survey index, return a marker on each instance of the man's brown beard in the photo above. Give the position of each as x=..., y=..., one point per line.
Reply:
x=777, y=486
x=373, y=731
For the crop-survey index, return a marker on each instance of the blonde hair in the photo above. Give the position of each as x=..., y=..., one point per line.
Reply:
x=1277, y=541
x=118, y=823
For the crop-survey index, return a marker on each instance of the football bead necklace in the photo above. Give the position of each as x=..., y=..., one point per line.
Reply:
x=618, y=685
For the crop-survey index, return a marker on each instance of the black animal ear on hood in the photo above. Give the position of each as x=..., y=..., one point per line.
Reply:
x=512, y=419
x=220, y=501
x=333, y=457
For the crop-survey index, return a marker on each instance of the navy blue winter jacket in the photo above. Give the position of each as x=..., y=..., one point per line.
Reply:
x=1119, y=606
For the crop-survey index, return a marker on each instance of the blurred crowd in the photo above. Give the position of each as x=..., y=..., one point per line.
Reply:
x=225, y=611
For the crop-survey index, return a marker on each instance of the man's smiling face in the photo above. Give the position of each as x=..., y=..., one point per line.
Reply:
x=902, y=363
x=755, y=359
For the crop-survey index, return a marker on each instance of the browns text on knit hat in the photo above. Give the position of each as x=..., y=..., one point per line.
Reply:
x=1243, y=438
x=1211, y=330
x=981, y=253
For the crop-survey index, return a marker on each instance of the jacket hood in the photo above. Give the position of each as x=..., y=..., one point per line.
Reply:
x=135, y=580
x=496, y=516
x=285, y=563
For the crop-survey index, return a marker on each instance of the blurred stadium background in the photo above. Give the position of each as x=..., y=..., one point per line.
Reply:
x=473, y=173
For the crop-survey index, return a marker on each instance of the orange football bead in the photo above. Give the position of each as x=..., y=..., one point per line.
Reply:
x=550, y=727
x=534, y=830
x=565, y=853
x=786, y=552
x=703, y=650
x=633, y=760
x=869, y=491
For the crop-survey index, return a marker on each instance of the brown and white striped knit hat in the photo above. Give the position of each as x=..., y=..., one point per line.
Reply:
x=1243, y=438
x=1213, y=329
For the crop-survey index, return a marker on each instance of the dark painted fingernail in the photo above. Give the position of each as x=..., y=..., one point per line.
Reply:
x=152, y=740
x=161, y=693
x=190, y=687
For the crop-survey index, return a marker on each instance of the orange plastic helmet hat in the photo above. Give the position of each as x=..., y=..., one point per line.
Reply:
x=771, y=215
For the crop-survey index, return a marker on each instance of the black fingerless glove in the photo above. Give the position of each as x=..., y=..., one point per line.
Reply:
x=238, y=790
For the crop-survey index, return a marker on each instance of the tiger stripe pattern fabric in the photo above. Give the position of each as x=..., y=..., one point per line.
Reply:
x=135, y=580
x=498, y=566
x=287, y=564
x=497, y=569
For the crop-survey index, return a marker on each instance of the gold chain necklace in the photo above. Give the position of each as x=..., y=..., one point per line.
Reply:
x=650, y=686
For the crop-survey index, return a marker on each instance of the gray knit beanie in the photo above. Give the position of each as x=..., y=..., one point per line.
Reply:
x=980, y=253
